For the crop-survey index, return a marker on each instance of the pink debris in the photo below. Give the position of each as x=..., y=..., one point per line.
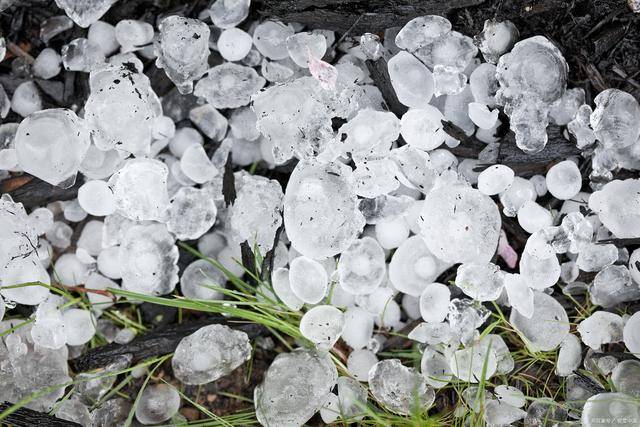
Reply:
x=506, y=252
x=325, y=73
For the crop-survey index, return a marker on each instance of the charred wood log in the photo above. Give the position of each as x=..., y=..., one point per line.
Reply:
x=154, y=343
x=33, y=192
x=25, y=417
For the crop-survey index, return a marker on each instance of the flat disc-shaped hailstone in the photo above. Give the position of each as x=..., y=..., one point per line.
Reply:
x=229, y=85
x=400, y=389
x=460, y=224
x=482, y=282
x=322, y=325
x=321, y=213
x=413, y=266
x=547, y=327
x=210, y=353
x=295, y=387
x=362, y=266
x=51, y=144
x=192, y=213
x=618, y=207
x=605, y=409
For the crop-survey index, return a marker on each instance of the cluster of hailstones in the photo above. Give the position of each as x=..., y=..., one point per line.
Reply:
x=371, y=221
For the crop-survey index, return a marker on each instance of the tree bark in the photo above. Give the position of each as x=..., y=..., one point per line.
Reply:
x=357, y=16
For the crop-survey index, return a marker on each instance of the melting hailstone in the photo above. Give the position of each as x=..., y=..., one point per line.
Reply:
x=322, y=325
x=400, y=389
x=362, y=267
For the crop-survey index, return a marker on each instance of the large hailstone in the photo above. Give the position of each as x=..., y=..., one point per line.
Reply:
x=618, y=207
x=140, y=189
x=192, y=213
x=321, y=213
x=148, y=260
x=531, y=76
x=229, y=85
x=610, y=409
x=600, y=328
x=547, y=327
x=400, y=389
x=121, y=109
x=482, y=282
x=413, y=266
x=412, y=81
x=182, y=49
x=631, y=334
x=255, y=215
x=460, y=224
x=28, y=368
x=295, y=387
x=211, y=352
x=362, y=266
x=51, y=144
x=473, y=363
x=616, y=119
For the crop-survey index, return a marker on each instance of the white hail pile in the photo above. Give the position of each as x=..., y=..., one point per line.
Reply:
x=375, y=210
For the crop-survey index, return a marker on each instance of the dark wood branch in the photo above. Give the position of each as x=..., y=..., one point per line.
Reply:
x=357, y=16
x=380, y=76
x=154, y=343
x=524, y=164
x=25, y=417
x=33, y=192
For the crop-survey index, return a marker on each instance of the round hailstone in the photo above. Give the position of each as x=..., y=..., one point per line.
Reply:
x=322, y=325
x=295, y=387
x=51, y=144
x=422, y=31
x=540, y=273
x=198, y=278
x=604, y=408
x=358, y=327
x=634, y=265
x=626, y=377
x=229, y=13
x=460, y=224
x=548, y=326
x=413, y=266
x=234, y=44
x=282, y=289
x=79, y=326
x=631, y=334
x=69, y=270
x=321, y=215
x=308, y=279
x=532, y=217
x=96, y=198
x=411, y=80
x=330, y=411
x=362, y=266
x=615, y=119
x=495, y=179
x=516, y=195
x=618, y=207
x=435, y=368
x=157, y=403
x=392, y=232
x=564, y=180
x=482, y=282
x=352, y=398
x=422, y=128
x=359, y=363
x=601, y=328
x=434, y=302
x=474, y=363
x=270, y=39
x=48, y=328
x=400, y=389
x=132, y=34
x=211, y=352
x=192, y=213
